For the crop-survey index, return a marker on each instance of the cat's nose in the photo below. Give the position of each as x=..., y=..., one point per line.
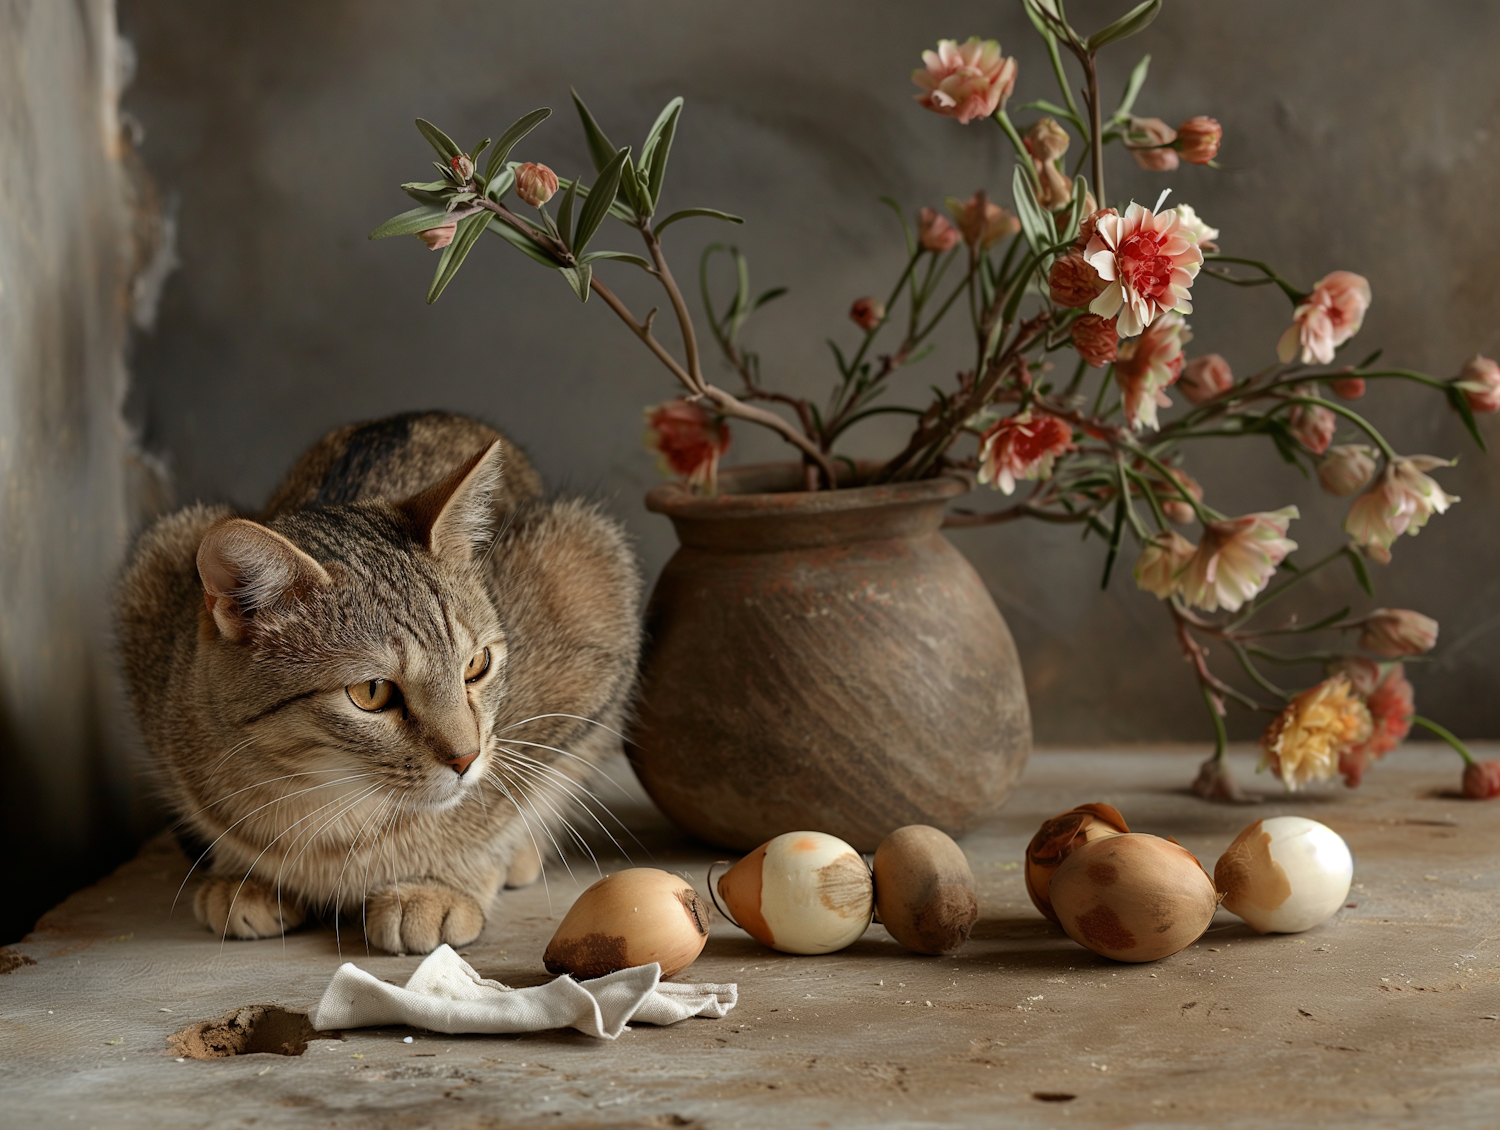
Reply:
x=460, y=765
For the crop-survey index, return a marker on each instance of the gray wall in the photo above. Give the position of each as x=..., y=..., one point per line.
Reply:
x=1358, y=136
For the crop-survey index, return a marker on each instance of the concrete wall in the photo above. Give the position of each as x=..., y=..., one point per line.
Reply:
x=1358, y=136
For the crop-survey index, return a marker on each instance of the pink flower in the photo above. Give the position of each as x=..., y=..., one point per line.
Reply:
x=1206, y=377
x=1482, y=780
x=966, y=81
x=1399, y=503
x=935, y=233
x=1394, y=632
x=1480, y=382
x=1150, y=143
x=1198, y=140
x=1326, y=318
x=1346, y=468
x=535, y=184
x=1149, y=262
x=1022, y=446
x=1096, y=339
x=1147, y=365
x=1348, y=388
x=1072, y=282
x=982, y=223
x=439, y=237
x=1163, y=559
x=688, y=440
x=1236, y=558
x=1391, y=702
x=867, y=313
x=1192, y=222
x=1090, y=223
x=1312, y=424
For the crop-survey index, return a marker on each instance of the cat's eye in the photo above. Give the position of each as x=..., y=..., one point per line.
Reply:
x=478, y=665
x=373, y=694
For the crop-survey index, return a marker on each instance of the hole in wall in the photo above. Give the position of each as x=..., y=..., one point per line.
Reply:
x=246, y=1031
x=1053, y=1096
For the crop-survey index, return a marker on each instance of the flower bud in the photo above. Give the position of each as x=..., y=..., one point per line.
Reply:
x=1312, y=424
x=1198, y=140
x=1394, y=632
x=1073, y=282
x=1149, y=141
x=1090, y=222
x=463, y=166
x=535, y=184
x=1480, y=382
x=1178, y=510
x=1206, y=377
x=1482, y=780
x=1348, y=388
x=867, y=312
x=1046, y=141
x=1346, y=468
x=935, y=232
x=1096, y=340
x=981, y=222
x=439, y=237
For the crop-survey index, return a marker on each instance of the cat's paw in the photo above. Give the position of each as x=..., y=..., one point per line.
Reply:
x=248, y=909
x=525, y=867
x=419, y=917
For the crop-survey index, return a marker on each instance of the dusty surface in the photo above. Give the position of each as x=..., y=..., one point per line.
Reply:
x=1385, y=1016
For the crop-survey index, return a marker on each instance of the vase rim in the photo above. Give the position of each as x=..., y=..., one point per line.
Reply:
x=767, y=489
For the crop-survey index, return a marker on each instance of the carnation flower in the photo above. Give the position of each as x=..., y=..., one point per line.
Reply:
x=535, y=184
x=1304, y=742
x=1480, y=382
x=1326, y=318
x=1096, y=339
x=1198, y=139
x=1150, y=143
x=982, y=223
x=1348, y=388
x=439, y=237
x=1193, y=223
x=1163, y=559
x=688, y=440
x=1206, y=377
x=1072, y=282
x=1090, y=222
x=1312, y=424
x=1236, y=559
x=1400, y=502
x=1148, y=364
x=1482, y=780
x=965, y=81
x=934, y=231
x=1022, y=446
x=867, y=313
x=1391, y=702
x=1394, y=632
x=1149, y=261
x=1346, y=468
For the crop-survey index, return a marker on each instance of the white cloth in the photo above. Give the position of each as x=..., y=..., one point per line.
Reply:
x=446, y=995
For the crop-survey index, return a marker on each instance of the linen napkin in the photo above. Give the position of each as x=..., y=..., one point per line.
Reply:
x=446, y=995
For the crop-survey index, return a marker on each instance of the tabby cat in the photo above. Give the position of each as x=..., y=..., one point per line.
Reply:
x=381, y=695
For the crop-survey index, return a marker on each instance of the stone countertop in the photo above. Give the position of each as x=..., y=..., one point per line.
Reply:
x=1386, y=1015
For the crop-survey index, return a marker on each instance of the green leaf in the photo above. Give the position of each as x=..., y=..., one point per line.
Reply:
x=578, y=278
x=633, y=189
x=1115, y=536
x=469, y=230
x=657, y=148
x=518, y=129
x=445, y=145
x=617, y=208
x=1048, y=108
x=500, y=185
x=478, y=149
x=565, y=214
x=686, y=213
x=1325, y=622
x=600, y=197
x=522, y=242
x=410, y=223
x=1041, y=25
x=1370, y=360
x=1133, y=88
x=769, y=296
x=600, y=148
x=1136, y=20
x=1036, y=225
x=1361, y=573
x=644, y=264
x=1460, y=404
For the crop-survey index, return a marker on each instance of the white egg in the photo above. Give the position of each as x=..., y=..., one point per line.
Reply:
x=803, y=892
x=1285, y=875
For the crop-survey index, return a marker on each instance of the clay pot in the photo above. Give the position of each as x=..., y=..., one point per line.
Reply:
x=824, y=661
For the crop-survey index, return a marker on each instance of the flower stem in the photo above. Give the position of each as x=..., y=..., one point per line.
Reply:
x=1447, y=735
x=1096, y=138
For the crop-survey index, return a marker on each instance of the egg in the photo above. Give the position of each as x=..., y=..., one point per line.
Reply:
x=1285, y=874
x=802, y=892
x=632, y=917
x=1133, y=897
x=1058, y=837
x=924, y=890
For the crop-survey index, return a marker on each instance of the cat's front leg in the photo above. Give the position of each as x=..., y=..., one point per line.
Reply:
x=418, y=917
x=248, y=908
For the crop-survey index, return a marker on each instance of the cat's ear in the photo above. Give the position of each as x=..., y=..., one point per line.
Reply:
x=246, y=568
x=455, y=519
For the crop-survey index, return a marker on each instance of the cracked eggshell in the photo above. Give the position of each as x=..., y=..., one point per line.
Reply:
x=633, y=917
x=1057, y=838
x=924, y=890
x=802, y=892
x=1133, y=897
x=1285, y=874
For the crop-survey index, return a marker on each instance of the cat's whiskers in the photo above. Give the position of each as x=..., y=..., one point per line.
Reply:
x=375, y=847
x=500, y=787
x=335, y=899
x=521, y=791
x=591, y=766
x=495, y=777
x=233, y=750
x=257, y=785
x=540, y=793
x=520, y=762
x=359, y=799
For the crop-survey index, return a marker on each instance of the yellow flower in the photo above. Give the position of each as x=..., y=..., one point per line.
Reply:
x=1305, y=741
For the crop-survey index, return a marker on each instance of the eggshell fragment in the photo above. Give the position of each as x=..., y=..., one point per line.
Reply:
x=1285, y=874
x=633, y=917
x=802, y=892
x=1058, y=837
x=1133, y=897
x=924, y=890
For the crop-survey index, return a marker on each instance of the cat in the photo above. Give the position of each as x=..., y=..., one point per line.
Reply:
x=382, y=695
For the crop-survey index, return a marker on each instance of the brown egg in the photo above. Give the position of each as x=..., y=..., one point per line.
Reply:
x=924, y=890
x=1057, y=837
x=632, y=917
x=1133, y=897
